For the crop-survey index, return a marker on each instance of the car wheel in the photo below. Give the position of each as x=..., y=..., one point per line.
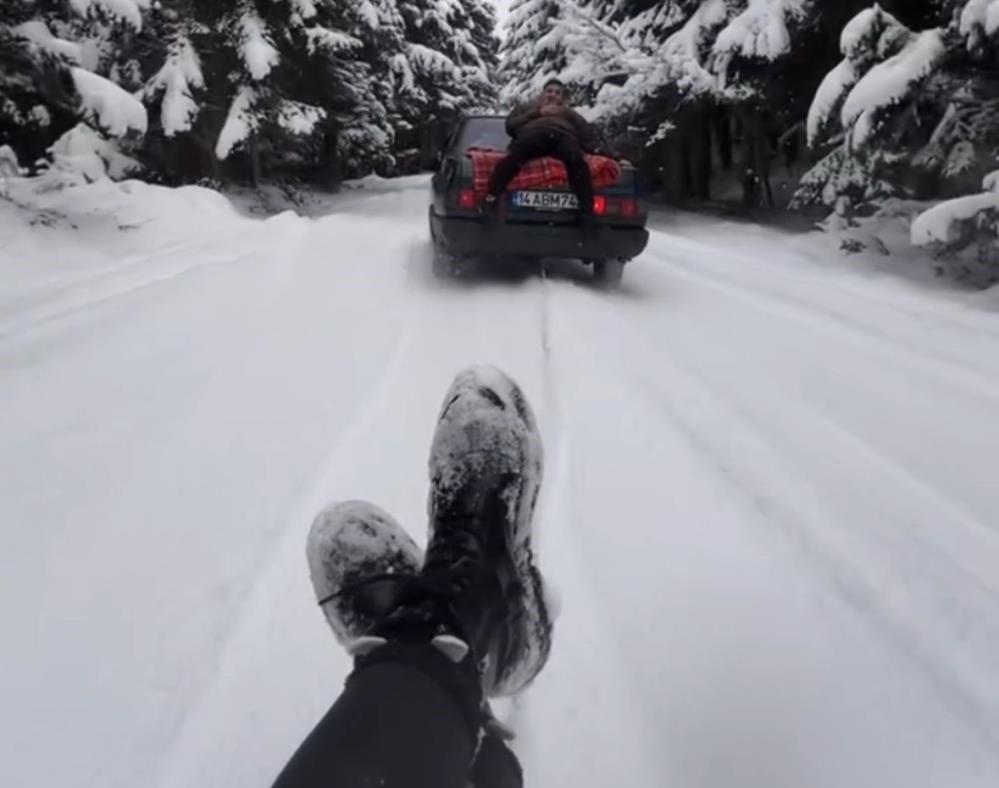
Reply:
x=608, y=272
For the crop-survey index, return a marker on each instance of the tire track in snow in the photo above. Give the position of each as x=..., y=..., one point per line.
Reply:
x=273, y=576
x=587, y=648
x=834, y=280
x=801, y=519
x=867, y=337
x=76, y=300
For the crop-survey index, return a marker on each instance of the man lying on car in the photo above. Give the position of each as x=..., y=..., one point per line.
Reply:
x=547, y=127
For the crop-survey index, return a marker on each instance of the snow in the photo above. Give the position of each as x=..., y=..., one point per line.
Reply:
x=760, y=31
x=180, y=76
x=889, y=82
x=117, y=111
x=322, y=38
x=259, y=55
x=127, y=10
x=941, y=223
x=834, y=86
x=430, y=61
x=983, y=14
x=239, y=123
x=298, y=118
x=682, y=49
x=82, y=155
x=306, y=9
x=769, y=500
x=860, y=28
x=38, y=33
x=9, y=165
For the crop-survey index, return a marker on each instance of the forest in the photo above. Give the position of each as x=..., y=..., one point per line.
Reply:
x=844, y=109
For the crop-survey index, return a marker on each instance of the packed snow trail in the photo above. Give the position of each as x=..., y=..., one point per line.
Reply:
x=768, y=507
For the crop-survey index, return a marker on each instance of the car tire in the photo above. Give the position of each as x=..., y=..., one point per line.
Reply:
x=608, y=273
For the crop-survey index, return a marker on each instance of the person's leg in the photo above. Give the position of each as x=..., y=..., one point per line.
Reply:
x=528, y=146
x=394, y=727
x=473, y=624
x=579, y=173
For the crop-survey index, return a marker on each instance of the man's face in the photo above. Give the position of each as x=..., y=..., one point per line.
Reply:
x=553, y=94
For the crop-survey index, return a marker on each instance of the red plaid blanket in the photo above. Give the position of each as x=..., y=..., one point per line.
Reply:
x=537, y=173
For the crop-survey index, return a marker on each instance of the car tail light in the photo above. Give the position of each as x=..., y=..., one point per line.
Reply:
x=599, y=205
x=467, y=199
x=629, y=208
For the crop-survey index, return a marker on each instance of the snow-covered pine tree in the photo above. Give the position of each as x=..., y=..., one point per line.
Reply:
x=443, y=71
x=963, y=232
x=61, y=65
x=482, y=31
x=763, y=58
x=340, y=61
x=305, y=86
x=863, y=109
x=38, y=101
x=531, y=51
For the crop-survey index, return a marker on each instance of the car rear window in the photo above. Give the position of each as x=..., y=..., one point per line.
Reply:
x=484, y=133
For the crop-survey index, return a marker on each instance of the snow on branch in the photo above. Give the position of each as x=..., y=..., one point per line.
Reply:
x=37, y=33
x=258, y=54
x=947, y=222
x=180, y=75
x=832, y=90
x=889, y=83
x=239, y=124
x=430, y=61
x=980, y=16
x=306, y=9
x=298, y=118
x=682, y=50
x=323, y=39
x=761, y=30
x=129, y=11
x=117, y=111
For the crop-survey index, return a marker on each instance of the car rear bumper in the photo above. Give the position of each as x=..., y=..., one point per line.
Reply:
x=468, y=236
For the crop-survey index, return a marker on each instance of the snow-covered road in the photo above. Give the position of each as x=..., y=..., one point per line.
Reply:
x=770, y=498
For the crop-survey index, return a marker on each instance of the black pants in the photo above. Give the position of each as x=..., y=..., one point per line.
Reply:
x=396, y=726
x=534, y=144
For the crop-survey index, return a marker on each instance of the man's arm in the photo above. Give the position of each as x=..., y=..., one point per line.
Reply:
x=521, y=116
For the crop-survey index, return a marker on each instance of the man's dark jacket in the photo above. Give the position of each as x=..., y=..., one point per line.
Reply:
x=569, y=124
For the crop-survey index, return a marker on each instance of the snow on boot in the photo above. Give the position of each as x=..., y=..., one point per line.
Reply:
x=485, y=473
x=359, y=558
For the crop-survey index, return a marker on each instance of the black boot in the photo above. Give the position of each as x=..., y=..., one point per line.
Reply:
x=479, y=596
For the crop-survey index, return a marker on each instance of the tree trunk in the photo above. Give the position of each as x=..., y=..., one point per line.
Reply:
x=723, y=132
x=255, y=164
x=756, y=188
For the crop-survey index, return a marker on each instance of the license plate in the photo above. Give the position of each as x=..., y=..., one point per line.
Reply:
x=546, y=201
